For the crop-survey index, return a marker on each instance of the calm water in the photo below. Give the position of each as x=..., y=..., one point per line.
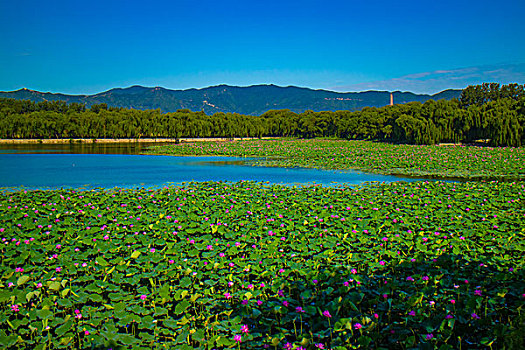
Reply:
x=57, y=167
x=78, y=148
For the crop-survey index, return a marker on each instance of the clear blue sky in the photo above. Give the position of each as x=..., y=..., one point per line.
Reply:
x=421, y=46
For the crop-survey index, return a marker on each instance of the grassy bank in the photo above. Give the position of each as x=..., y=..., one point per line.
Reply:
x=145, y=140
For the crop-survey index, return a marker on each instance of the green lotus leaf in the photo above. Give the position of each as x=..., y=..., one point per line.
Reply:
x=119, y=306
x=170, y=323
x=181, y=307
x=101, y=261
x=22, y=279
x=199, y=336
x=185, y=282
x=64, y=328
x=95, y=297
x=223, y=341
x=54, y=286
x=146, y=337
x=126, y=339
x=44, y=314
x=65, y=302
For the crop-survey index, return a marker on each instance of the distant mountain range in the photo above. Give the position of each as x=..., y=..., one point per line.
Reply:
x=251, y=100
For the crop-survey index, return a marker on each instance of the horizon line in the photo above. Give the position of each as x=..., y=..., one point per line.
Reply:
x=227, y=85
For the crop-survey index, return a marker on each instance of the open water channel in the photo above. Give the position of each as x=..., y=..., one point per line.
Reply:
x=46, y=166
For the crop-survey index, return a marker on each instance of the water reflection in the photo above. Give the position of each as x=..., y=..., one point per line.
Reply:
x=85, y=165
x=77, y=148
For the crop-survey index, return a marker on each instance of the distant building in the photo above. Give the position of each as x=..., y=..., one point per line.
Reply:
x=391, y=99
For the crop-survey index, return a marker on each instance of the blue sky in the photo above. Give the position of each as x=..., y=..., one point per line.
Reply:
x=420, y=46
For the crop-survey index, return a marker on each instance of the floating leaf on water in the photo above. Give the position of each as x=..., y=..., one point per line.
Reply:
x=44, y=313
x=198, y=336
x=125, y=339
x=54, y=286
x=66, y=340
x=101, y=261
x=185, y=282
x=181, y=307
x=223, y=341
x=22, y=279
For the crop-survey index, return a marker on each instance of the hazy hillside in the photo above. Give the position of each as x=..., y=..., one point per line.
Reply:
x=251, y=100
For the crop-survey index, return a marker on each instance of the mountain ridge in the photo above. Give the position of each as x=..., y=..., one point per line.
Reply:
x=248, y=100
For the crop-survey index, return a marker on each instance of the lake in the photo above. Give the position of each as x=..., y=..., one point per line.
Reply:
x=120, y=165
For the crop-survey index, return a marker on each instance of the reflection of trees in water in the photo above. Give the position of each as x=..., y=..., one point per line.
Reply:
x=80, y=148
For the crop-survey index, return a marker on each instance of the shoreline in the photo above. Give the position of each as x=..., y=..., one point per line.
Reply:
x=145, y=140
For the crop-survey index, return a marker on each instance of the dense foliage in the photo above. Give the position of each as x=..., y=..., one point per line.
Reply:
x=215, y=265
x=446, y=161
x=485, y=112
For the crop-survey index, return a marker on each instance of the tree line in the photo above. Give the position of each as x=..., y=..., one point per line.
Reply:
x=489, y=112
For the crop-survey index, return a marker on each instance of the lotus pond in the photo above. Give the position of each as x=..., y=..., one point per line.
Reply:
x=447, y=161
x=215, y=265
